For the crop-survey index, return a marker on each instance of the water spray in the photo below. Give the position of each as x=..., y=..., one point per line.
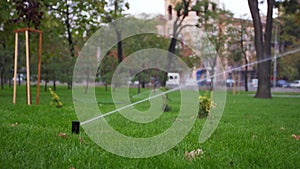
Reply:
x=183, y=86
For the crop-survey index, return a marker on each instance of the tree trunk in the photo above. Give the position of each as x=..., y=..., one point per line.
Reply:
x=245, y=57
x=69, y=85
x=19, y=80
x=2, y=78
x=9, y=82
x=70, y=40
x=120, y=49
x=172, y=45
x=171, y=51
x=139, y=85
x=70, y=37
x=263, y=48
x=46, y=85
x=143, y=85
x=212, y=74
x=105, y=84
x=2, y=65
x=246, y=64
x=54, y=83
x=246, y=75
x=172, y=48
x=164, y=80
x=234, y=83
x=87, y=81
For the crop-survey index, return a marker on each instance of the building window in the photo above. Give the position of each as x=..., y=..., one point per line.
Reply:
x=170, y=10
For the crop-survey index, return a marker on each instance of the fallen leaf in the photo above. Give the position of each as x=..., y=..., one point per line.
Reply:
x=14, y=125
x=282, y=128
x=193, y=154
x=81, y=140
x=187, y=156
x=254, y=136
x=63, y=135
x=296, y=137
x=72, y=168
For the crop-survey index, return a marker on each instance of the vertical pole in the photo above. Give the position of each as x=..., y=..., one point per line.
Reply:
x=39, y=70
x=98, y=55
x=75, y=127
x=27, y=68
x=275, y=58
x=15, y=68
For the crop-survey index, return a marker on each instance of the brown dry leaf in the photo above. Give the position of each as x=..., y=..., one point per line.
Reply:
x=282, y=128
x=296, y=137
x=193, y=154
x=81, y=140
x=72, y=168
x=62, y=135
x=14, y=125
x=254, y=136
x=187, y=156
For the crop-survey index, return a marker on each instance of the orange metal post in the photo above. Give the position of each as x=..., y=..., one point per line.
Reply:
x=39, y=70
x=27, y=30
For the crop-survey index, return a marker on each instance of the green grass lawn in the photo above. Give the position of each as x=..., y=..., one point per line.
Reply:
x=253, y=133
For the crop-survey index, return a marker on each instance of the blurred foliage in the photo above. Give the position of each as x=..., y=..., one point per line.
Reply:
x=288, y=28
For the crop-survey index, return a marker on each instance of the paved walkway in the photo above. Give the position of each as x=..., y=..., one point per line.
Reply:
x=281, y=95
x=276, y=90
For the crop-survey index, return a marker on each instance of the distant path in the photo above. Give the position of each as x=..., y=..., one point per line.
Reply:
x=281, y=95
x=277, y=89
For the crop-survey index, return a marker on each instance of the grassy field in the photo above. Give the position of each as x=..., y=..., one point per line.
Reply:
x=253, y=133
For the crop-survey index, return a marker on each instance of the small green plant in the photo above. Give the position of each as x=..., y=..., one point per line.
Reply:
x=205, y=105
x=55, y=99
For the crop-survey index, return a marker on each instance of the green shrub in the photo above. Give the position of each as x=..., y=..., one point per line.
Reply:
x=205, y=104
x=55, y=99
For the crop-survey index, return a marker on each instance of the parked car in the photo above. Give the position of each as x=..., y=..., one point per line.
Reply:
x=204, y=82
x=295, y=83
x=229, y=82
x=254, y=82
x=173, y=79
x=20, y=77
x=282, y=83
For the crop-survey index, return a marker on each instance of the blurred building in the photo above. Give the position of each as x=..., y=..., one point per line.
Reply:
x=240, y=39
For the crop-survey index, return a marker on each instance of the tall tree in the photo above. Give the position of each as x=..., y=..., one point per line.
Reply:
x=182, y=9
x=107, y=69
x=15, y=14
x=288, y=6
x=79, y=20
x=29, y=12
x=241, y=37
x=288, y=25
x=115, y=11
x=216, y=34
x=145, y=41
x=263, y=47
x=208, y=17
x=7, y=17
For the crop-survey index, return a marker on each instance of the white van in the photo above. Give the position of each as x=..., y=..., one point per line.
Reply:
x=254, y=82
x=295, y=83
x=173, y=79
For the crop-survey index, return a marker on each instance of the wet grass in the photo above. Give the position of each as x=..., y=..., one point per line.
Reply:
x=253, y=133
